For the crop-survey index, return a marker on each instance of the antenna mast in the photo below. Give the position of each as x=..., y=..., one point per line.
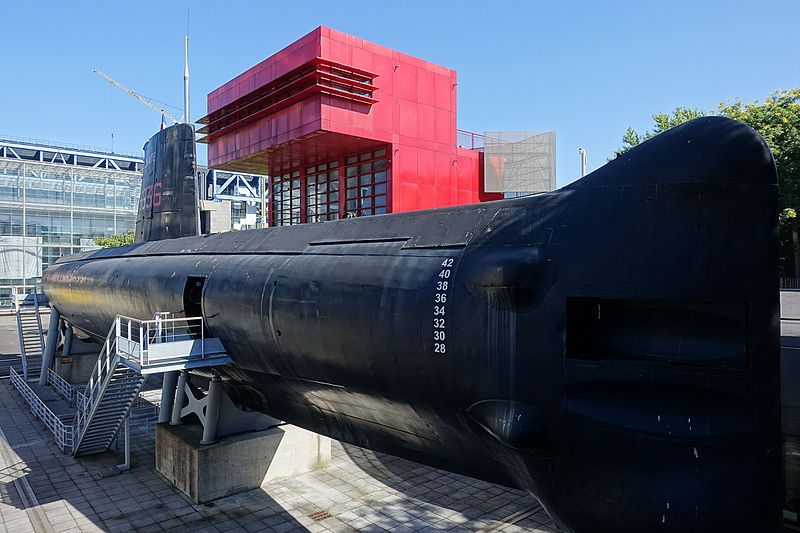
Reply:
x=186, y=81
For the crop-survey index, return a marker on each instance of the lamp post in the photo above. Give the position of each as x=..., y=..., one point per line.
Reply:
x=582, y=153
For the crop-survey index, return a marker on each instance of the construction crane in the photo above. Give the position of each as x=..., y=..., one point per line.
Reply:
x=136, y=95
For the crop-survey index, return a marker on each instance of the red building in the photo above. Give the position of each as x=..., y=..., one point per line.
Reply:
x=344, y=127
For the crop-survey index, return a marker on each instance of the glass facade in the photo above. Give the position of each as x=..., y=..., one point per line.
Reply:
x=325, y=192
x=50, y=209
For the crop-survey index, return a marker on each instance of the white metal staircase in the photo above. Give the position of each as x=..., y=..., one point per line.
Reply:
x=133, y=350
x=29, y=331
x=106, y=401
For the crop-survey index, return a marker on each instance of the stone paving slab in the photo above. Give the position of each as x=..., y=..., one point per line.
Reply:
x=359, y=491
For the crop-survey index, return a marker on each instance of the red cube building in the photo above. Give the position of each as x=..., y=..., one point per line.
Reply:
x=344, y=127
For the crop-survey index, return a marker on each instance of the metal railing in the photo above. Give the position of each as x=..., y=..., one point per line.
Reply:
x=136, y=338
x=20, y=292
x=105, y=365
x=22, y=297
x=40, y=143
x=60, y=385
x=469, y=139
x=63, y=433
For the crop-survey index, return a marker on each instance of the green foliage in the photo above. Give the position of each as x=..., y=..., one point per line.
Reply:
x=788, y=215
x=777, y=119
x=663, y=122
x=115, y=240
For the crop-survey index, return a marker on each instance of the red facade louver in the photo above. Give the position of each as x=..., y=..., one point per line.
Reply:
x=344, y=127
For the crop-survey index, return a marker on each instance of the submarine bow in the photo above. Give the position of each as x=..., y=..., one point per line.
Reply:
x=611, y=347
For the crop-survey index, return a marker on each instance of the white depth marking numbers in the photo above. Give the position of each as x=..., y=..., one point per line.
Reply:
x=439, y=307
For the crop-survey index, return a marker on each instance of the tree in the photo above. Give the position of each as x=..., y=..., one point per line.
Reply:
x=777, y=119
x=663, y=122
x=115, y=240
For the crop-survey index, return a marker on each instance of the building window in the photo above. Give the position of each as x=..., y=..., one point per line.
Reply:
x=322, y=192
x=286, y=199
x=365, y=184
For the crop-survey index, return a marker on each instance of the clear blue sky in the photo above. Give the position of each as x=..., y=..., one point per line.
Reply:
x=585, y=69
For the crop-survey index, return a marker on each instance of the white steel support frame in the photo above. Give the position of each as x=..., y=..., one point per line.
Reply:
x=211, y=419
x=53, y=330
x=68, y=336
x=168, y=388
x=124, y=467
x=44, y=152
x=180, y=398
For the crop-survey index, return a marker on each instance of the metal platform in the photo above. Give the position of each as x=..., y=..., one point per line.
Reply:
x=133, y=349
x=167, y=344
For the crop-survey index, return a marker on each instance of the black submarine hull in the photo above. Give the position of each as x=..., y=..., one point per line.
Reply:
x=611, y=347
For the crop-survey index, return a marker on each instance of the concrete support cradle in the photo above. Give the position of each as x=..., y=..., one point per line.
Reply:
x=168, y=389
x=50, y=345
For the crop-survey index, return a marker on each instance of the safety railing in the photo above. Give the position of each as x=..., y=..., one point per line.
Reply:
x=64, y=433
x=60, y=385
x=81, y=402
x=106, y=363
x=138, y=340
x=789, y=283
x=469, y=139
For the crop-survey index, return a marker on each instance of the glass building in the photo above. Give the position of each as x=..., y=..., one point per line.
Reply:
x=54, y=200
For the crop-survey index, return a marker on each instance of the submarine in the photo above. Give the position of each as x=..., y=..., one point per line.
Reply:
x=611, y=347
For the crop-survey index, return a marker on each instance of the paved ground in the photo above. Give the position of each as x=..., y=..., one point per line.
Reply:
x=43, y=490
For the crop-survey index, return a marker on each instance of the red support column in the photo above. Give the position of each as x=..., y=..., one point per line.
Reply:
x=342, y=188
x=303, y=195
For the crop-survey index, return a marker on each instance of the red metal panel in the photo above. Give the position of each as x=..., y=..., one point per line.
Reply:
x=444, y=123
x=426, y=166
x=425, y=122
x=413, y=107
x=405, y=81
x=443, y=171
x=426, y=86
x=442, y=88
x=408, y=118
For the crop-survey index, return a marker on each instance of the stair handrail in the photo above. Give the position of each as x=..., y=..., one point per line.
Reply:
x=20, y=338
x=88, y=400
x=38, y=317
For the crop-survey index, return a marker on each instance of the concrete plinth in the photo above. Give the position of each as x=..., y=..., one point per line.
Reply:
x=236, y=463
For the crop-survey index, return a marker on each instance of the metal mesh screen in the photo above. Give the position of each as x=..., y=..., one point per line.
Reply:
x=519, y=161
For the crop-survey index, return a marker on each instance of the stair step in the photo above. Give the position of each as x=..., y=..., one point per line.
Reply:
x=118, y=411
x=113, y=396
x=103, y=431
x=98, y=444
x=103, y=442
